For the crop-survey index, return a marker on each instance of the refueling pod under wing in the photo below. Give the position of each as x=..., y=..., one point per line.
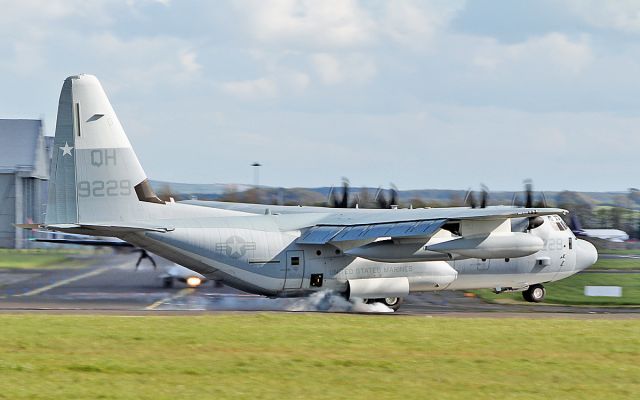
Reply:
x=437, y=276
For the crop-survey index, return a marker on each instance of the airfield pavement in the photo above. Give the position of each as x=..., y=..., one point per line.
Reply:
x=111, y=285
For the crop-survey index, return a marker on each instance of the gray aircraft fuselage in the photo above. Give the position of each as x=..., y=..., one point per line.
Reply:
x=253, y=253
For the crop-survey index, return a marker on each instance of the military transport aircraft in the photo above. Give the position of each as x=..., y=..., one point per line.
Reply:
x=98, y=188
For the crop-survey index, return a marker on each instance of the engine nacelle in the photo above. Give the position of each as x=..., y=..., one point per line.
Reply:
x=502, y=245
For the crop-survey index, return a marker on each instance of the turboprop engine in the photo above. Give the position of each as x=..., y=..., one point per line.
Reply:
x=495, y=245
x=392, y=251
x=501, y=245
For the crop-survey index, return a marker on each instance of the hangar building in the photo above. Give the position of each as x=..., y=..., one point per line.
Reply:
x=24, y=173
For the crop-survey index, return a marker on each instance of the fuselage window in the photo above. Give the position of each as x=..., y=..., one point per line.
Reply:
x=295, y=260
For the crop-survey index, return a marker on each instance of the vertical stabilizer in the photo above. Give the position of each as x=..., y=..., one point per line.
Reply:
x=95, y=174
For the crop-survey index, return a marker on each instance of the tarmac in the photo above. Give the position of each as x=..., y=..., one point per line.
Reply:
x=111, y=285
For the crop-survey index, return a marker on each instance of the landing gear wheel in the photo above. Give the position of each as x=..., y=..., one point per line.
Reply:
x=391, y=302
x=167, y=282
x=534, y=294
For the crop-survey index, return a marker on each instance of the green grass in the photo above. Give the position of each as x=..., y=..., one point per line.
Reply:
x=571, y=290
x=616, y=263
x=40, y=258
x=625, y=252
x=286, y=356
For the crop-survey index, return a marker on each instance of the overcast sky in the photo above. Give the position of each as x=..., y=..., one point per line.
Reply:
x=442, y=94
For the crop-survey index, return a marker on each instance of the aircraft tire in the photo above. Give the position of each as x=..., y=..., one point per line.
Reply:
x=167, y=282
x=391, y=302
x=535, y=293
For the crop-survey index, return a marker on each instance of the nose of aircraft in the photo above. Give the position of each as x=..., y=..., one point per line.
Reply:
x=586, y=254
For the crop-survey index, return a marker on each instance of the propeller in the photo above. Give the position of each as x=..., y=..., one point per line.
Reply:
x=484, y=197
x=529, y=197
x=343, y=201
x=533, y=222
x=470, y=197
x=383, y=201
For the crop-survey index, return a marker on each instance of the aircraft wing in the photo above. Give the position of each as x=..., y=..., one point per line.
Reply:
x=346, y=216
x=423, y=223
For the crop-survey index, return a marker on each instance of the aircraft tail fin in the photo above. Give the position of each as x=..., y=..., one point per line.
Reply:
x=95, y=174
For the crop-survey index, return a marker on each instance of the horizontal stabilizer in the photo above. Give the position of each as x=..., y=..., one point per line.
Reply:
x=87, y=242
x=106, y=227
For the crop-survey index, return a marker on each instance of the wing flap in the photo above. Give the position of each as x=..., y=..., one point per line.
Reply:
x=319, y=234
x=323, y=234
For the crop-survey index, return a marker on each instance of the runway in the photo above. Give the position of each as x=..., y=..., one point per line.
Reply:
x=111, y=285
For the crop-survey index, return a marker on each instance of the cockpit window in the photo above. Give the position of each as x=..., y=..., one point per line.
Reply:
x=557, y=223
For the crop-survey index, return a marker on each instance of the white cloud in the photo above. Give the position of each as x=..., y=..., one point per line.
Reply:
x=39, y=14
x=354, y=68
x=159, y=60
x=331, y=24
x=622, y=15
x=188, y=61
x=251, y=89
x=415, y=23
x=327, y=23
x=328, y=67
x=298, y=81
x=551, y=50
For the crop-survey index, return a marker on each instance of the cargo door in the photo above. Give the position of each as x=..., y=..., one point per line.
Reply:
x=295, y=269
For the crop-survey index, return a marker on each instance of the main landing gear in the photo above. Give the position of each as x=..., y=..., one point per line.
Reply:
x=391, y=302
x=535, y=293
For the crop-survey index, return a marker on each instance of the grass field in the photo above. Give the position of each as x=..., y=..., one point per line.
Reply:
x=38, y=258
x=286, y=356
x=571, y=290
x=616, y=263
x=627, y=252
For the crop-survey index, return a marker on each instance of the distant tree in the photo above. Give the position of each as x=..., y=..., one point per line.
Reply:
x=456, y=200
x=634, y=198
x=364, y=198
x=166, y=193
x=616, y=216
x=602, y=217
x=418, y=203
x=230, y=194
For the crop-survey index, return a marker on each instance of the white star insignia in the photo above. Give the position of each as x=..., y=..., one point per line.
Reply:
x=66, y=149
x=235, y=247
